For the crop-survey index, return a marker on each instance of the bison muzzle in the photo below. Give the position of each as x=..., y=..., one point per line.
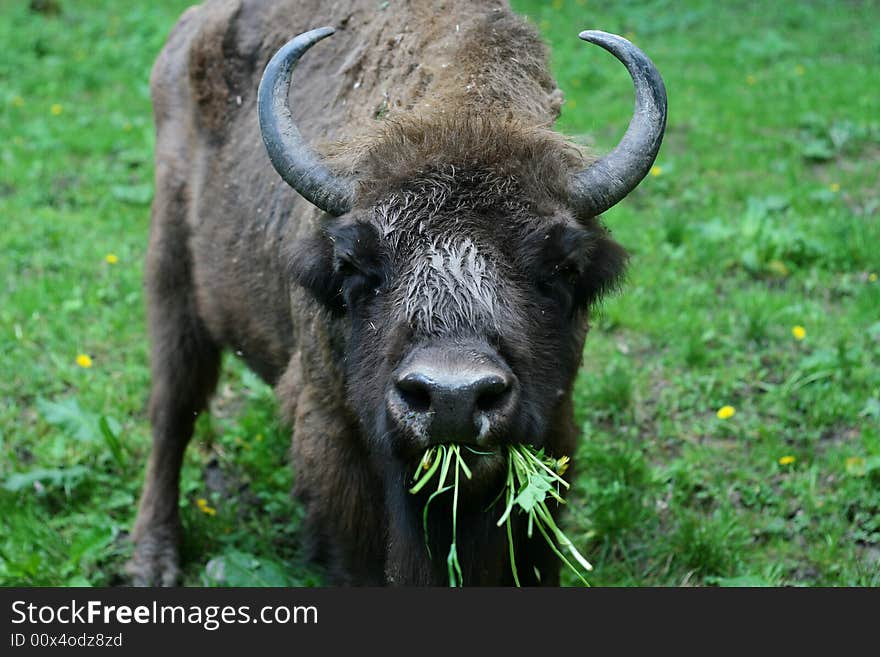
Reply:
x=398, y=242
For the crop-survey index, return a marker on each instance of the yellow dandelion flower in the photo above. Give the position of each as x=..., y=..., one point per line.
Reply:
x=778, y=267
x=726, y=412
x=56, y=109
x=111, y=258
x=799, y=332
x=205, y=508
x=834, y=187
x=872, y=277
x=787, y=460
x=562, y=465
x=656, y=170
x=799, y=70
x=84, y=361
x=18, y=101
x=751, y=80
x=855, y=465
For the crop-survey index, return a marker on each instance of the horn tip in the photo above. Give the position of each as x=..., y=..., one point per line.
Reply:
x=598, y=36
x=322, y=32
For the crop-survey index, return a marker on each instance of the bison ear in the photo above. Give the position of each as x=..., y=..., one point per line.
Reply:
x=578, y=265
x=311, y=265
x=605, y=266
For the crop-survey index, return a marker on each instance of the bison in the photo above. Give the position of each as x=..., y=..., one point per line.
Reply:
x=397, y=241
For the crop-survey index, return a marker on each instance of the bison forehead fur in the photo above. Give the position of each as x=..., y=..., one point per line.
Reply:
x=459, y=257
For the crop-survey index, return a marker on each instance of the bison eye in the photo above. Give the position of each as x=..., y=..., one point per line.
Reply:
x=358, y=277
x=346, y=267
x=358, y=260
x=339, y=266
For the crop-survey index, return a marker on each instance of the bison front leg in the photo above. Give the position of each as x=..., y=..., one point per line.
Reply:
x=342, y=498
x=184, y=366
x=177, y=398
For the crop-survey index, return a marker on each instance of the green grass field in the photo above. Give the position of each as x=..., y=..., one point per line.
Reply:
x=753, y=285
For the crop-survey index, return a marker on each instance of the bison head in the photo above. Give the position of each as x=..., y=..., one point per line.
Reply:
x=465, y=255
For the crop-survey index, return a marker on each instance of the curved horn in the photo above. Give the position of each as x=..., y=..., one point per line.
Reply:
x=609, y=179
x=292, y=158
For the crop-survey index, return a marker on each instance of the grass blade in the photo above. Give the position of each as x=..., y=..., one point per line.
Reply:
x=425, y=476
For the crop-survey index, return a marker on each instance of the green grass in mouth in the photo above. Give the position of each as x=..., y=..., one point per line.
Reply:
x=533, y=479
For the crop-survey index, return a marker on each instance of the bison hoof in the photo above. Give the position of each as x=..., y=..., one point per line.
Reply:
x=155, y=562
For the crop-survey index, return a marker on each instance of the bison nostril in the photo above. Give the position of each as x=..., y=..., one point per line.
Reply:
x=415, y=391
x=492, y=393
x=416, y=400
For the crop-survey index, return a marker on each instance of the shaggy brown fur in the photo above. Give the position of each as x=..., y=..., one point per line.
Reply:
x=442, y=110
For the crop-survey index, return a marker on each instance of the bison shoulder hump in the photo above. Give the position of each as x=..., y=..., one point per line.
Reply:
x=215, y=51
